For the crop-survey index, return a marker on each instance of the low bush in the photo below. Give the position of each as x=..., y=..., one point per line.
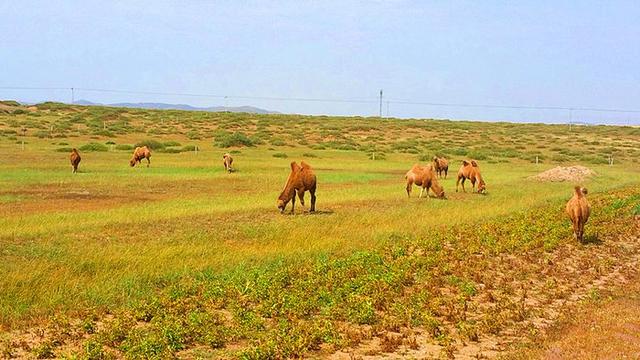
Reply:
x=151, y=144
x=93, y=147
x=237, y=139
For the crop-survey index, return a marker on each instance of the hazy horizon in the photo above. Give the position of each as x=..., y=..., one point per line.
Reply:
x=571, y=54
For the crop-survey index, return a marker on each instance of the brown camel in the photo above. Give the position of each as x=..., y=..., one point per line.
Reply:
x=75, y=160
x=140, y=153
x=425, y=177
x=578, y=209
x=301, y=179
x=470, y=170
x=227, y=160
x=441, y=165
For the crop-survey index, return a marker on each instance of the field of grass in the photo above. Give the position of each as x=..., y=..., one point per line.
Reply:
x=183, y=259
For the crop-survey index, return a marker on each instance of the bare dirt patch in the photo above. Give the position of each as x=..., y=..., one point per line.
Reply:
x=565, y=173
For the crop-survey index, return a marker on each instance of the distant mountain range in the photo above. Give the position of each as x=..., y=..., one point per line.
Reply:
x=163, y=106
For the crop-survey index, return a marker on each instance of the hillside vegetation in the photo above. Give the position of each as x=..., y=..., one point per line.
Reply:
x=182, y=259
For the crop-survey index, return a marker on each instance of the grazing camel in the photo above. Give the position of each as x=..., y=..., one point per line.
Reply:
x=425, y=177
x=227, y=160
x=578, y=209
x=140, y=153
x=75, y=160
x=470, y=170
x=441, y=165
x=301, y=179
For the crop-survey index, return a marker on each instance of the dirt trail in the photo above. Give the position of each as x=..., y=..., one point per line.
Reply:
x=552, y=287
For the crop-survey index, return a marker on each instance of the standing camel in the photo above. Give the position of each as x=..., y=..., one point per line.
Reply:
x=301, y=179
x=470, y=170
x=75, y=160
x=578, y=209
x=140, y=153
x=425, y=177
x=227, y=160
x=441, y=165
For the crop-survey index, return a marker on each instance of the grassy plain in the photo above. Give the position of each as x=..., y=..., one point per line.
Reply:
x=183, y=259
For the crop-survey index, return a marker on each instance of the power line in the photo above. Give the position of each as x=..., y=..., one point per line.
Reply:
x=525, y=107
x=330, y=100
x=242, y=97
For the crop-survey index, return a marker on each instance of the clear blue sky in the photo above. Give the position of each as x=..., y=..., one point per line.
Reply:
x=555, y=53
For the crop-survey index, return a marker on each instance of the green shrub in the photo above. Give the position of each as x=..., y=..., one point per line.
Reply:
x=193, y=135
x=459, y=151
x=595, y=159
x=170, y=150
x=93, y=147
x=236, y=139
x=478, y=155
x=64, y=149
x=189, y=148
x=42, y=134
x=425, y=157
x=105, y=133
x=126, y=147
x=171, y=143
x=151, y=144
x=280, y=155
x=310, y=155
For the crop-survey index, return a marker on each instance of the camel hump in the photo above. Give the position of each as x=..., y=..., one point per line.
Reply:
x=474, y=163
x=465, y=162
x=294, y=166
x=580, y=191
x=304, y=165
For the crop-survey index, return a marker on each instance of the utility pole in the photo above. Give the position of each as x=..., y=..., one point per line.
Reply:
x=570, y=117
x=380, y=103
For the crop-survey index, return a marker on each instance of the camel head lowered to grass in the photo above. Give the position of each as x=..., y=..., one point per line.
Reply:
x=578, y=209
x=470, y=170
x=140, y=153
x=425, y=177
x=301, y=179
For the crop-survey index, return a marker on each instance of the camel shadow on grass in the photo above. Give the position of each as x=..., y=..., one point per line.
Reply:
x=307, y=212
x=591, y=239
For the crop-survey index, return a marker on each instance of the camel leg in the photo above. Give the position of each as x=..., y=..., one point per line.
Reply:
x=148, y=162
x=409, y=186
x=462, y=183
x=293, y=203
x=301, y=196
x=574, y=223
x=313, y=200
x=445, y=173
x=473, y=185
